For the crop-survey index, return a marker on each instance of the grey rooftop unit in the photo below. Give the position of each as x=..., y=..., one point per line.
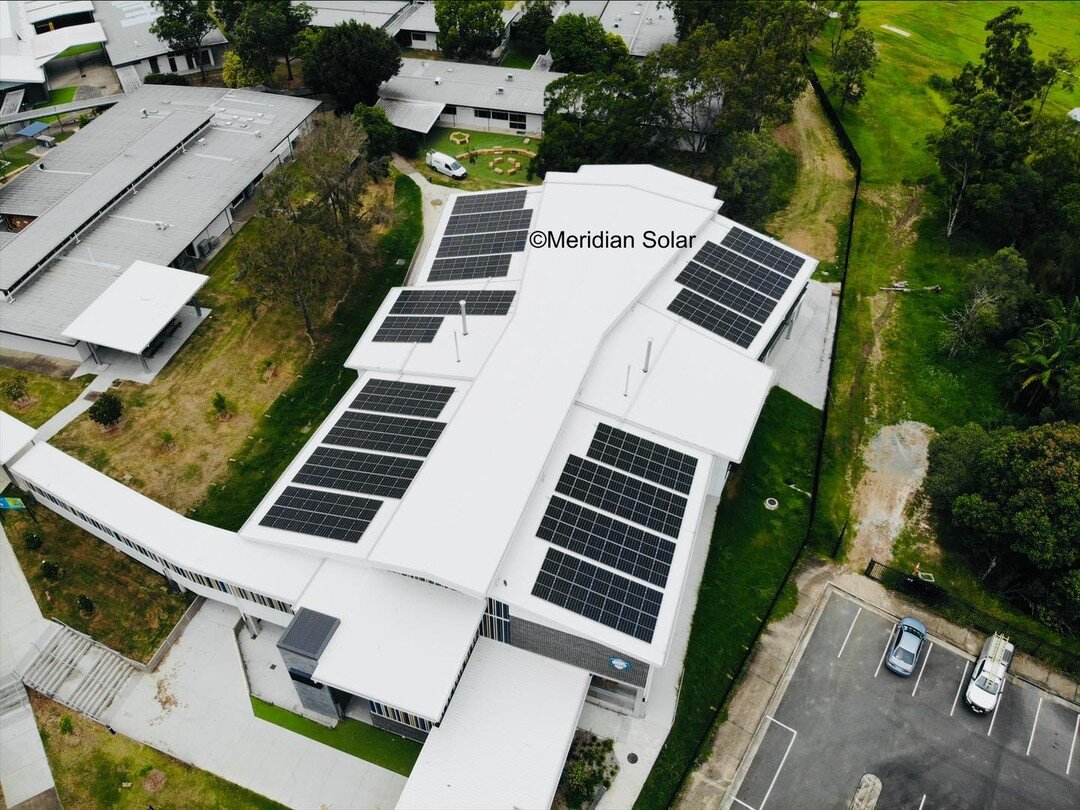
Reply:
x=308, y=633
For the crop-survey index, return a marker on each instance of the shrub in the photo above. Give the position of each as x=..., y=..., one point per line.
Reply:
x=165, y=78
x=50, y=570
x=167, y=438
x=15, y=387
x=107, y=410
x=32, y=541
x=67, y=725
x=85, y=603
x=221, y=405
x=236, y=74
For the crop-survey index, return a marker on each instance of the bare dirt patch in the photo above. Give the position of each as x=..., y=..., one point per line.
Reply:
x=38, y=364
x=823, y=185
x=894, y=465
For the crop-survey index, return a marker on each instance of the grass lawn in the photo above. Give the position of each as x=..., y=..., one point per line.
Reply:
x=480, y=176
x=134, y=609
x=79, y=50
x=46, y=395
x=517, y=58
x=751, y=549
x=95, y=769
x=58, y=95
x=275, y=440
x=354, y=737
x=15, y=157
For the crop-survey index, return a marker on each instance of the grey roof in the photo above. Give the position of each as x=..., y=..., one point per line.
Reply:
x=308, y=633
x=645, y=26
x=127, y=27
x=470, y=85
x=376, y=13
x=416, y=116
x=186, y=193
x=422, y=18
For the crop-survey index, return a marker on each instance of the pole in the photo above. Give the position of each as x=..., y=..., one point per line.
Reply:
x=626, y=389
x=464, y=323
x=648, y=355
x=457, y=350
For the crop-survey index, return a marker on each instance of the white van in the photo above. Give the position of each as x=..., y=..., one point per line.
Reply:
x=444, y=164
x=988, y=677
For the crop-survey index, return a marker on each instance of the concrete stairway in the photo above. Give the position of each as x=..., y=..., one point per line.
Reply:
x=78, y=672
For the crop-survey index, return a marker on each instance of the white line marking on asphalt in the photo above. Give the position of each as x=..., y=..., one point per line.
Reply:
x=849, y=633
x=993, y=714
x=921, y=671
x=744, y=804
x=1034, y=726
x=885, y=651
x=922, y=802
x=783, y=759
x=1072, y=747
x=963, y=679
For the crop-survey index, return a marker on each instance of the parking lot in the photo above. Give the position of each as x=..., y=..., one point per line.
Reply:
x=844, y=715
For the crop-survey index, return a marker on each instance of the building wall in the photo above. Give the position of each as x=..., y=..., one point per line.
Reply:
x=179, y=65
x=21, y=343
x=466, y=118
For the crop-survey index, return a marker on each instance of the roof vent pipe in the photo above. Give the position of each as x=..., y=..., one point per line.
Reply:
x=509, y=77
x=143, y=112
x=464, y=323
x=648, y=355
x=457, y=349
x=626, y=388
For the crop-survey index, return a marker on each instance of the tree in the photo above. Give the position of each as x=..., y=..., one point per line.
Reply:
x=468, y=28
x=967, y=328
x=349, y=61
x=227, y=12
x=695, y=83
x=182, y=25
x=1008, y=66
x=579, y=44
x=981, y=141
x=689, y=14
x=107, y=410
x=381, y=134
x=85, y=603
x=1005, y=277
x=750, y=171
x=50, y=570
x=297, y=18
x=256, y=35
x=530, y=29
x=166, y=78
x=1056, y=70
x=221, y=405
x=1045, y=354
x=847, y=19
x=854, y=61
x=15, y=387
x=236, y=74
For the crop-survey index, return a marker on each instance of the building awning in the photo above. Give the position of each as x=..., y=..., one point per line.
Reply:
x=417, y=116
x=505, y=737
x=136, y=307
x=30, y=130
x=15, y=436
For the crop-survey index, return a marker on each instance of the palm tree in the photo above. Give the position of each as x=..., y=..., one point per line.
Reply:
x=1044, y=354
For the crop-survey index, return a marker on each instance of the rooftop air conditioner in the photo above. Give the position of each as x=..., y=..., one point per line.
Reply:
x=500, y=90
x=509, y=77
x=438, y=80
x=161, y=225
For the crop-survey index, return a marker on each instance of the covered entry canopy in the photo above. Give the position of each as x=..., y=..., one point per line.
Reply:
x=136, y=307
x=416, y=116
x=30, y=130
x=505, y=737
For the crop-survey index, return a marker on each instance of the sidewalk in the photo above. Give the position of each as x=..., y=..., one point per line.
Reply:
x=73, y=410
x=433, y=198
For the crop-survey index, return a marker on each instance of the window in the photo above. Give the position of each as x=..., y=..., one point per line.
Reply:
x=190, y=61
x=479, y=113
x=449, y=109
x=419, y=36
x=154, y=66
x=172, y=63
x=499, y=115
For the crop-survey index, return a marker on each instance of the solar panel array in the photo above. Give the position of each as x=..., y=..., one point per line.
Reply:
x=643, y=458
x=381, y=418
x=598, y=594
x=602, y=538
x=448, y=302
x=407, y=329
x=493, y=221
x=482, y=203
x=476, y=244
x=322, y=514
x=496, y=265
x=736, y=285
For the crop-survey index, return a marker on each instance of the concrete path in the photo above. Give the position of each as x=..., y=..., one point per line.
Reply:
x=24, y=769
x=802, y=359
x=433, y=198
x=73, y=410
x=196, y=707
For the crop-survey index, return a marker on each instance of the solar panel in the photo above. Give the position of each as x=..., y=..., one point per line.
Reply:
x=644, y=458
x=621, y=495
x=619, y=545
x=480, y=203
x=388, y=434
x=740, y=268
x=598, y=594
x=494, y=266
x=492, y=221
x=478, y=244
x=321, y=514
x=723, y=290
x=447, y=302
x=407, y=330
x=410, y=399
x=355, y=471
x=723, y=322
x=762, y=250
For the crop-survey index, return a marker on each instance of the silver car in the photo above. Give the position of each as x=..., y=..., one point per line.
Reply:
x=905, y=646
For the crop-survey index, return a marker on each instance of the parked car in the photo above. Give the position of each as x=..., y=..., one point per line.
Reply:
x=444, y=164
x=988, y=677
x=905, y=646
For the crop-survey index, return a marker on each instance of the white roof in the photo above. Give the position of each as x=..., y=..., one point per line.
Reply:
x=644, y=26
x=422, y=18
x=204, y=549
x=401, y=641
x=127, y=26
x=376, y=13
x=505, y=737
x=417, y=116
x=136, y=307
x=15, y=436
x=23, y=51
x=469, y=85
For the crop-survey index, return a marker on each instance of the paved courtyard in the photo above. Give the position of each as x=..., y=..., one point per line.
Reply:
x=844, y=715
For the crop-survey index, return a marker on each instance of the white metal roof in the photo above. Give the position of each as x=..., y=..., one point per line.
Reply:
x=645, y=26
x=15, y=436
x=127, y=26
x=417, y=116
x=505, y=737
x=469, y=85
x=401, y=641
x=204, y=549
x=23, y=51
x=135, y=307
x=376, y=13
x=422, y=18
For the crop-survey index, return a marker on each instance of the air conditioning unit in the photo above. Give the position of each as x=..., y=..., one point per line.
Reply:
x=509, y=77
x=500, y=90
x=161, y=225
x=438, y=80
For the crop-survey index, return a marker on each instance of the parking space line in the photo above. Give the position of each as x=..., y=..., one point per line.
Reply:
x=774, y=720
x=921, y=671
x=993, y=714
x=783, y=759
x=744, y=804
x=922, y=802
x=1034, y=726
x=1072, y=747
x=886, y=650
x=959, y=687
x=849, y=633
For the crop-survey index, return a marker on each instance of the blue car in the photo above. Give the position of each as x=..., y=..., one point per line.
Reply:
x=905, y=646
